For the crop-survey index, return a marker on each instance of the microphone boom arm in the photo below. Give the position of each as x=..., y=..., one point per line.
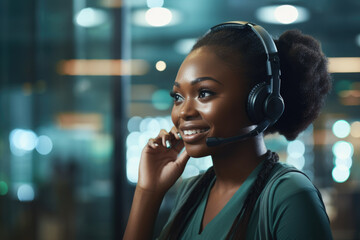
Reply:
x=215, y=141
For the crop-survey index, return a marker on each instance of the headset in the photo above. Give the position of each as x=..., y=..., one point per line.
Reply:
x=264, y=103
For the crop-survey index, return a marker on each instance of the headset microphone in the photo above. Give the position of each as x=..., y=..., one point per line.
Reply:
x=265, y=104
x=261, y=127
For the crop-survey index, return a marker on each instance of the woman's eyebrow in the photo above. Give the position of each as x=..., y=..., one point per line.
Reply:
x=200, y=79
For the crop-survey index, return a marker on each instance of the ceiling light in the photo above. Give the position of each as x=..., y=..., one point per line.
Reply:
x=156, y=17
x=102, y=67
x=344, y=64
x=286, y=14
x=160, y=66
x=282, y=14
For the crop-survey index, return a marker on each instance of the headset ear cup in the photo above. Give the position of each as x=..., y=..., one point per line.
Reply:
x=256, y=102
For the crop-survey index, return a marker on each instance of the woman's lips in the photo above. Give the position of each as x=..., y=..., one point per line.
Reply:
x=194, y=135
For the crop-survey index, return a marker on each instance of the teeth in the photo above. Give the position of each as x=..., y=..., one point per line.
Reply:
x=194, y=131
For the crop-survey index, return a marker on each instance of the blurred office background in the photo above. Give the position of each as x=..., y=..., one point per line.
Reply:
x=84, y=84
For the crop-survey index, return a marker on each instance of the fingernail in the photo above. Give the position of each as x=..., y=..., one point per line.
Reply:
x=168, y=145
x=155, y=144
x=179, y=135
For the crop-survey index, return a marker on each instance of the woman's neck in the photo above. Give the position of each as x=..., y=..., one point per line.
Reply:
x=234, y=163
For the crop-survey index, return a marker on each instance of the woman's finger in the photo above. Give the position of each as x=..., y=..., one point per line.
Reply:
x=182, y=159
x=152, y=143
x=170, y=139
x=164, y=138
x=176, y=133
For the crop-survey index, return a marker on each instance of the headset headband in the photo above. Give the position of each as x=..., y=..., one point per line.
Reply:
x=272, y=58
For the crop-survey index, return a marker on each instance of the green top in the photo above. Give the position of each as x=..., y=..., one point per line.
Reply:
x=295, y=212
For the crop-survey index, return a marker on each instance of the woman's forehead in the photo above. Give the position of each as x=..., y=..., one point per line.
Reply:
x=203, y=62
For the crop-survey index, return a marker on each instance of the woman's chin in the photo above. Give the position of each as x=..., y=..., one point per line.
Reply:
x=197, y=151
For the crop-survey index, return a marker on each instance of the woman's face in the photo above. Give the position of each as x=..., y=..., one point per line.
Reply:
x=209, y=101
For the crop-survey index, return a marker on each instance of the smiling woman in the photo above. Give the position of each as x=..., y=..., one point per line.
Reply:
x=206, y=91
x=229, y=86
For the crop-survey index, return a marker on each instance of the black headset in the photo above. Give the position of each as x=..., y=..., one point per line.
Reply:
x=265, y=104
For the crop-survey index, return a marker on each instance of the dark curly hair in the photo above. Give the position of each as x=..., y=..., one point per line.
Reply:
x=305, y=82
x=304, y=87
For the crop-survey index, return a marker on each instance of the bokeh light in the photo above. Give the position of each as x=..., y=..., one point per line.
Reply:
x=141, y=130
x=132, y=168
x=3, y=188
x=347, y=162
x=158, y=16
x=144, y=138
x=133, y=151
x=161, y=99
x=296, y=149
x=286, y=14
x=25, y=193
x=134, y=124
x=299, y=162
x=340, y=173
x=133, y=139
x=282, y=14
x=154, y=126
x=355, y=129
x=44, y=145
x=160, y=66
x=184, y=46
x=144, y=124
x=341, y=128
x=23, y=139
x=343, y=150
x=90, y=17
x=165, y=123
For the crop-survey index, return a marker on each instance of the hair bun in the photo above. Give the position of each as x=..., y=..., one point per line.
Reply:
x=305, y=82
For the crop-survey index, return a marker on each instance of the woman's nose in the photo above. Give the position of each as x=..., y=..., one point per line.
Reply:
x=188, y=110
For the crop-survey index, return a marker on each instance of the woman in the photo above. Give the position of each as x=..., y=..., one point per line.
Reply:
x=214, y=93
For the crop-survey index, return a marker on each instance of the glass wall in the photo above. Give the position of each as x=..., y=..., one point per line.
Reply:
x=60, y=75
x=85, y=83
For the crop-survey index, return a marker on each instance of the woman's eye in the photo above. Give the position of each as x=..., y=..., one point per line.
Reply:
x=205, y=93
x=176, y=96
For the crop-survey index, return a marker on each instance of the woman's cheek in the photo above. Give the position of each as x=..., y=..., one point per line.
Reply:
x=174, y=115
x=228, y=119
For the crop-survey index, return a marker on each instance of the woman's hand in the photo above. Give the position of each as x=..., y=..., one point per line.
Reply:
x=160, y=167
x=160, y=163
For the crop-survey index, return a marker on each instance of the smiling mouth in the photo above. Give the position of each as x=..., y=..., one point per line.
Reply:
x=194, y=131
